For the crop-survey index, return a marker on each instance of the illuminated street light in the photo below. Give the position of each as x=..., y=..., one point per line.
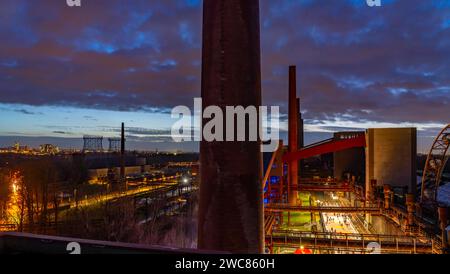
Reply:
x=14, y=187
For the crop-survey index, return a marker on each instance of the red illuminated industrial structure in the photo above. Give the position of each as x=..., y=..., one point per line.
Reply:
x=422, y=220
x=232, y=215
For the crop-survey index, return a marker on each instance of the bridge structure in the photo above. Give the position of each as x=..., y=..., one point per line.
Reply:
x=349, y=243
x=328, y=209
x=326, y=146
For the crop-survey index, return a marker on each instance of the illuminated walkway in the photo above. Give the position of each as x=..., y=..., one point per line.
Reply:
x=339, y=223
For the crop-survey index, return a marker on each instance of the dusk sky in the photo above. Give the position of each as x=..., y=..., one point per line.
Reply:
x=66, y=72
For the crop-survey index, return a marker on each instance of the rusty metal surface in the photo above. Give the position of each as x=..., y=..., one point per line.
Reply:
x=293, y=135
x=436, y=161
x=335, y=209
x=231, y=207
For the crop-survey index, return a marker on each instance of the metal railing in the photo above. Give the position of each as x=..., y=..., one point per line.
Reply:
x=24, y=243
x=398, y=243
x=286, y=207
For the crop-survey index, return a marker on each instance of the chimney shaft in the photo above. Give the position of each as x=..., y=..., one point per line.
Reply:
x=122, y=153
x=122, y=140
x=300, y=123
x=293, y=136
x=231, y=198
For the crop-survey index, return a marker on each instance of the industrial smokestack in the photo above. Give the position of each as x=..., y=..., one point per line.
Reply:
x=293, y=136
x=300, y=135
x=122, y=153
x=122, y=140
x=300, y=123
x=231, y=198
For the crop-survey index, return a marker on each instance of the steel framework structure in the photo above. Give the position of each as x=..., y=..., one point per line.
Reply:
x=329, y=209
x=434, y=167
x=349, y=242
x=92, y=143
x=114, y=144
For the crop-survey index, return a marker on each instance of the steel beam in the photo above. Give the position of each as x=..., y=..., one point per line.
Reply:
x=289, y=208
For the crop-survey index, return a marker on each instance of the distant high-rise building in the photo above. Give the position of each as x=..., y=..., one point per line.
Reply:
x=49, y=149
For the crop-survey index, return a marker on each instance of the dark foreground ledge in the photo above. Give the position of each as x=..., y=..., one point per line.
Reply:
x=25, y=243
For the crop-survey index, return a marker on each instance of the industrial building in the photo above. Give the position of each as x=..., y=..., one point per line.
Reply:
x=391, y=157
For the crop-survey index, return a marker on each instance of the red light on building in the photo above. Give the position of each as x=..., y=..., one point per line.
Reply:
x=303, y=250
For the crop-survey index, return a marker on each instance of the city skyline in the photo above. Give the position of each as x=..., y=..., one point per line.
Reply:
x=85, y=70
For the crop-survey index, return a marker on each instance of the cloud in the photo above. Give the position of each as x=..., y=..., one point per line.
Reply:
x=27, y=112
x=61, y=132
x=355, y=63
x=90, y=118
x=20, y=110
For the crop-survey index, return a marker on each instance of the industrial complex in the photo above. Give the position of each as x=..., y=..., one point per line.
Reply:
x=373, y=195
x=358, y=192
